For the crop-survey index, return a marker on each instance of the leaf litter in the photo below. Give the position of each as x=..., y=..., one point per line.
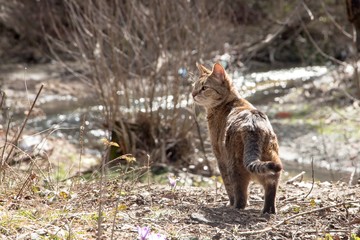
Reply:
x=330, y=211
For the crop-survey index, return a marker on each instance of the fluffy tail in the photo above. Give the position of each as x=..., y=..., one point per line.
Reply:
x=253, y=144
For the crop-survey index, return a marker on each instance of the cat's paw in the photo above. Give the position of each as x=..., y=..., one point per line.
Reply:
x=240, y=205
x=269, y=210
x=229, y=204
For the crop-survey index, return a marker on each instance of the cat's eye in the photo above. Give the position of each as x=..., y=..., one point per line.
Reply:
x=204, y=88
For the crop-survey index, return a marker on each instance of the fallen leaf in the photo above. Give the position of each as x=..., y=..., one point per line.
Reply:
x=64, y=195
x=122, y=207
x=35, y=189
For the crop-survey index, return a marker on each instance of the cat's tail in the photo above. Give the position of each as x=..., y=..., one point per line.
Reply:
x=252, y=154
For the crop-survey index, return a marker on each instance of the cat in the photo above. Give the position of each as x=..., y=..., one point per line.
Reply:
x=242, y=138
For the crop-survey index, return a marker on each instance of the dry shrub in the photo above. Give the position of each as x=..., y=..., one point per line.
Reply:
x=132, y=51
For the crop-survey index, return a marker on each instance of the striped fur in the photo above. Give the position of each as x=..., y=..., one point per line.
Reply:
x=257, y=131
x=242, y=138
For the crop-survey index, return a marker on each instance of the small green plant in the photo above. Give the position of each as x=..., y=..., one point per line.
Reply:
x=354, y=236
x=328, y=236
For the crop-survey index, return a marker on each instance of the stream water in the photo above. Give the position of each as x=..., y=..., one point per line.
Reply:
x=65, y=114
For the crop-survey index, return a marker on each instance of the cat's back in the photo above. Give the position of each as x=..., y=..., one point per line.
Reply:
x=248, y=119
x=246, y=122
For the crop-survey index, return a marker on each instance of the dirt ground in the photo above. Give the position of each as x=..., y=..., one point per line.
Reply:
x=321, y=210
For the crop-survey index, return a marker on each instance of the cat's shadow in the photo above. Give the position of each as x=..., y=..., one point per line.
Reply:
x=225, y=216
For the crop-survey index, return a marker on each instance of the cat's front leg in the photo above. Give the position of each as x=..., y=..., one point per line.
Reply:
x=240, y=180
x=227, y=183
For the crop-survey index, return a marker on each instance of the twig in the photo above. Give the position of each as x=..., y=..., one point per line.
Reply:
x=355, y=99
x=322, y=53
x=29, y=157
x=307, y=9
x=325, y=147
x=5, y=143
x=312, y=176
x=31, y=177
x=202, y=145
x=69, y=235
x=148, y=170
x=254, y=48
x=294, y=216
x=300, y=175
x=343, y=116
x=102, y=173
x=24, y=123
x=352, y=177
x=116, y=211
x=3, y=95
x=327, y=231
x=341, y=29
x=81, y=141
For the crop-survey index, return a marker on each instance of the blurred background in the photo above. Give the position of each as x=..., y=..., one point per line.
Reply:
x=121, y=72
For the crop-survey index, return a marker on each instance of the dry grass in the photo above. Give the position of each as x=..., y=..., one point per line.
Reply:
x=331, y=210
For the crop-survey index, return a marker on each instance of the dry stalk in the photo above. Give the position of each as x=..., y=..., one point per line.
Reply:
x=3, y=95
x=337, y=25
x=101, y=193
x=81, y=141
x=23, y=125
x=295, y=216
x=116, y=211
x=202, y=145
x=32, y=161
x=343, y=116
x=351, y=179
x=312, y=177
x=318, y=49
x=299, y=176
x=148, y=170
x=5, y=143
x=27, y=182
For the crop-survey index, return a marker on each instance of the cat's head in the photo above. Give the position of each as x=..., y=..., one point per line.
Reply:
x=213, y=86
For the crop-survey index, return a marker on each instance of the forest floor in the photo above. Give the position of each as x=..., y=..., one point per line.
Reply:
x=305, y=210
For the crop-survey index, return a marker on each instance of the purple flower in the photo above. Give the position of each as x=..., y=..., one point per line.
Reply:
x=173, y=181
x=156, y=236
x=143, y=232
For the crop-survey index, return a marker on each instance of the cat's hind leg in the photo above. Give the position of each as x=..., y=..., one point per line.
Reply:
x=270, y=188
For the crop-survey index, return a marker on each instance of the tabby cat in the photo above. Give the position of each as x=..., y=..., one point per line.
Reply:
x=242, y=138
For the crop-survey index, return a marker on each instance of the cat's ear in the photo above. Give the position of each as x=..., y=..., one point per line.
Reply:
x=202, y=69
x=218, y=72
